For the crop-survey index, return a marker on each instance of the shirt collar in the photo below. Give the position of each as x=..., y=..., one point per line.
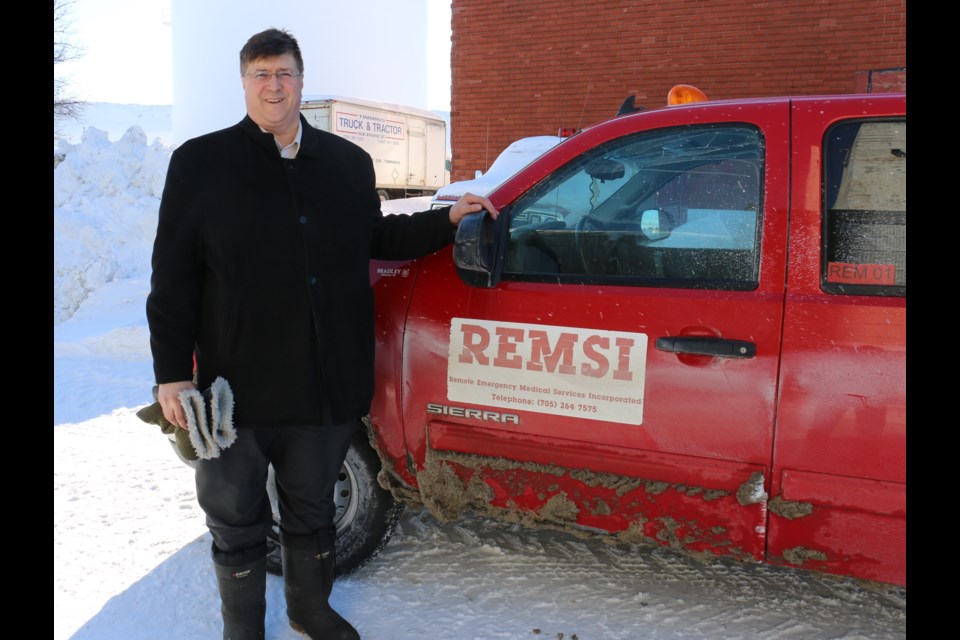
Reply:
x=289, y=151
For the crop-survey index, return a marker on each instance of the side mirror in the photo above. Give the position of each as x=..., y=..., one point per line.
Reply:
x=656, y=224
x=477, y=249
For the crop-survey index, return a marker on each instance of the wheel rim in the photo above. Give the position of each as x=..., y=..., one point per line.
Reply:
x=345, y=498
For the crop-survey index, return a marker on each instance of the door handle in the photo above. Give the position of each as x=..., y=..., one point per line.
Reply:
x=706, y=346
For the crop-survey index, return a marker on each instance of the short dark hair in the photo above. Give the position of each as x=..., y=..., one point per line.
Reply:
x=270, y=43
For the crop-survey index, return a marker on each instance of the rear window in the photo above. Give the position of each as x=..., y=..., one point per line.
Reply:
x=865, y=209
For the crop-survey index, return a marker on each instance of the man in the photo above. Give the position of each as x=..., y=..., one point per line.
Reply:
x=260, y=272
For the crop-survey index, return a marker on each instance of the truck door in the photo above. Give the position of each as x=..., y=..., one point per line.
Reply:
x=622, y=374
x=839, y=475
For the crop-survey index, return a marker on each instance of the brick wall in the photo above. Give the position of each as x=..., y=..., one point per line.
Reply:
x=528, y=67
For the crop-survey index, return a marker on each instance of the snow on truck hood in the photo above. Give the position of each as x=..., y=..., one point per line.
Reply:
x=515, y=157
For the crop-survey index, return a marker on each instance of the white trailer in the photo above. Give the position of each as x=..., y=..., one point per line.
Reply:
x=408, y=145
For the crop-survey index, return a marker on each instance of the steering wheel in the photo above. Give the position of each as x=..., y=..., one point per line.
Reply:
x=587, y=225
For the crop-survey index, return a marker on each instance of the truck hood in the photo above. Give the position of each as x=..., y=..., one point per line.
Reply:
x=510, y=161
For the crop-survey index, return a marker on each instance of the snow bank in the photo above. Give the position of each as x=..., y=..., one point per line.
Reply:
x=106, y=196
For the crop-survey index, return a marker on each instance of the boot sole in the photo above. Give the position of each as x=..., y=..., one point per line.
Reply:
x=296, y=627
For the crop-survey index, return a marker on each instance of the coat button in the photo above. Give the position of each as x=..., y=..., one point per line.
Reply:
x=303, y=219
x=312, y=280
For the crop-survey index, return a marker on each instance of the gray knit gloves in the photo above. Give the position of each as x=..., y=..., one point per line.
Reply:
x=210, y=426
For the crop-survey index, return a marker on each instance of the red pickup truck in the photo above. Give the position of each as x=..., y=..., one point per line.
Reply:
x=687, y=328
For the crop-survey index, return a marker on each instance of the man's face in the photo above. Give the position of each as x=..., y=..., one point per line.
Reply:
x=274, y=103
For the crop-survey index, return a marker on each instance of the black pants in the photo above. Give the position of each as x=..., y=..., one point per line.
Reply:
x=232, y=489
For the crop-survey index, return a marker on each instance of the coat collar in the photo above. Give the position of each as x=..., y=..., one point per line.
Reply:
x=309, y=139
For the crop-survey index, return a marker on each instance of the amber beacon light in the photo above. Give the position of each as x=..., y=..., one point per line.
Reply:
x=684, y=94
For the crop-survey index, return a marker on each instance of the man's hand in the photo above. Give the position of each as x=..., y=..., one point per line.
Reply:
x=468, y=204
x=168, y=395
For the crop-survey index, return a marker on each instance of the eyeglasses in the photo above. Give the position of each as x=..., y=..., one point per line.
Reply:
x=263, y=76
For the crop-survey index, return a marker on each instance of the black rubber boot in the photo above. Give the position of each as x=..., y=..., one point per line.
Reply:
x=308, y=570
x=243, y=599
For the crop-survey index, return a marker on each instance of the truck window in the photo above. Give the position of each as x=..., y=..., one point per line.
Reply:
x=678, y=207
x=865, y=209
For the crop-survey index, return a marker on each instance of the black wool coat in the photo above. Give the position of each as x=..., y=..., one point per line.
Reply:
x=261, y=268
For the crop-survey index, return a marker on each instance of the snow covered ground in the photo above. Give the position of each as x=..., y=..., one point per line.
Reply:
x=131, y=552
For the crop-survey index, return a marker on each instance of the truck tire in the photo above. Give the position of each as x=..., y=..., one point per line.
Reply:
x=367, y=515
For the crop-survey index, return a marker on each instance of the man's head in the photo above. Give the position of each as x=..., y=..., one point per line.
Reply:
x=271, y=69
x=270, y=44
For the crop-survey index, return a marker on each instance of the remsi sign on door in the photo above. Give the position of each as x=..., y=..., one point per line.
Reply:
x=568, y=371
